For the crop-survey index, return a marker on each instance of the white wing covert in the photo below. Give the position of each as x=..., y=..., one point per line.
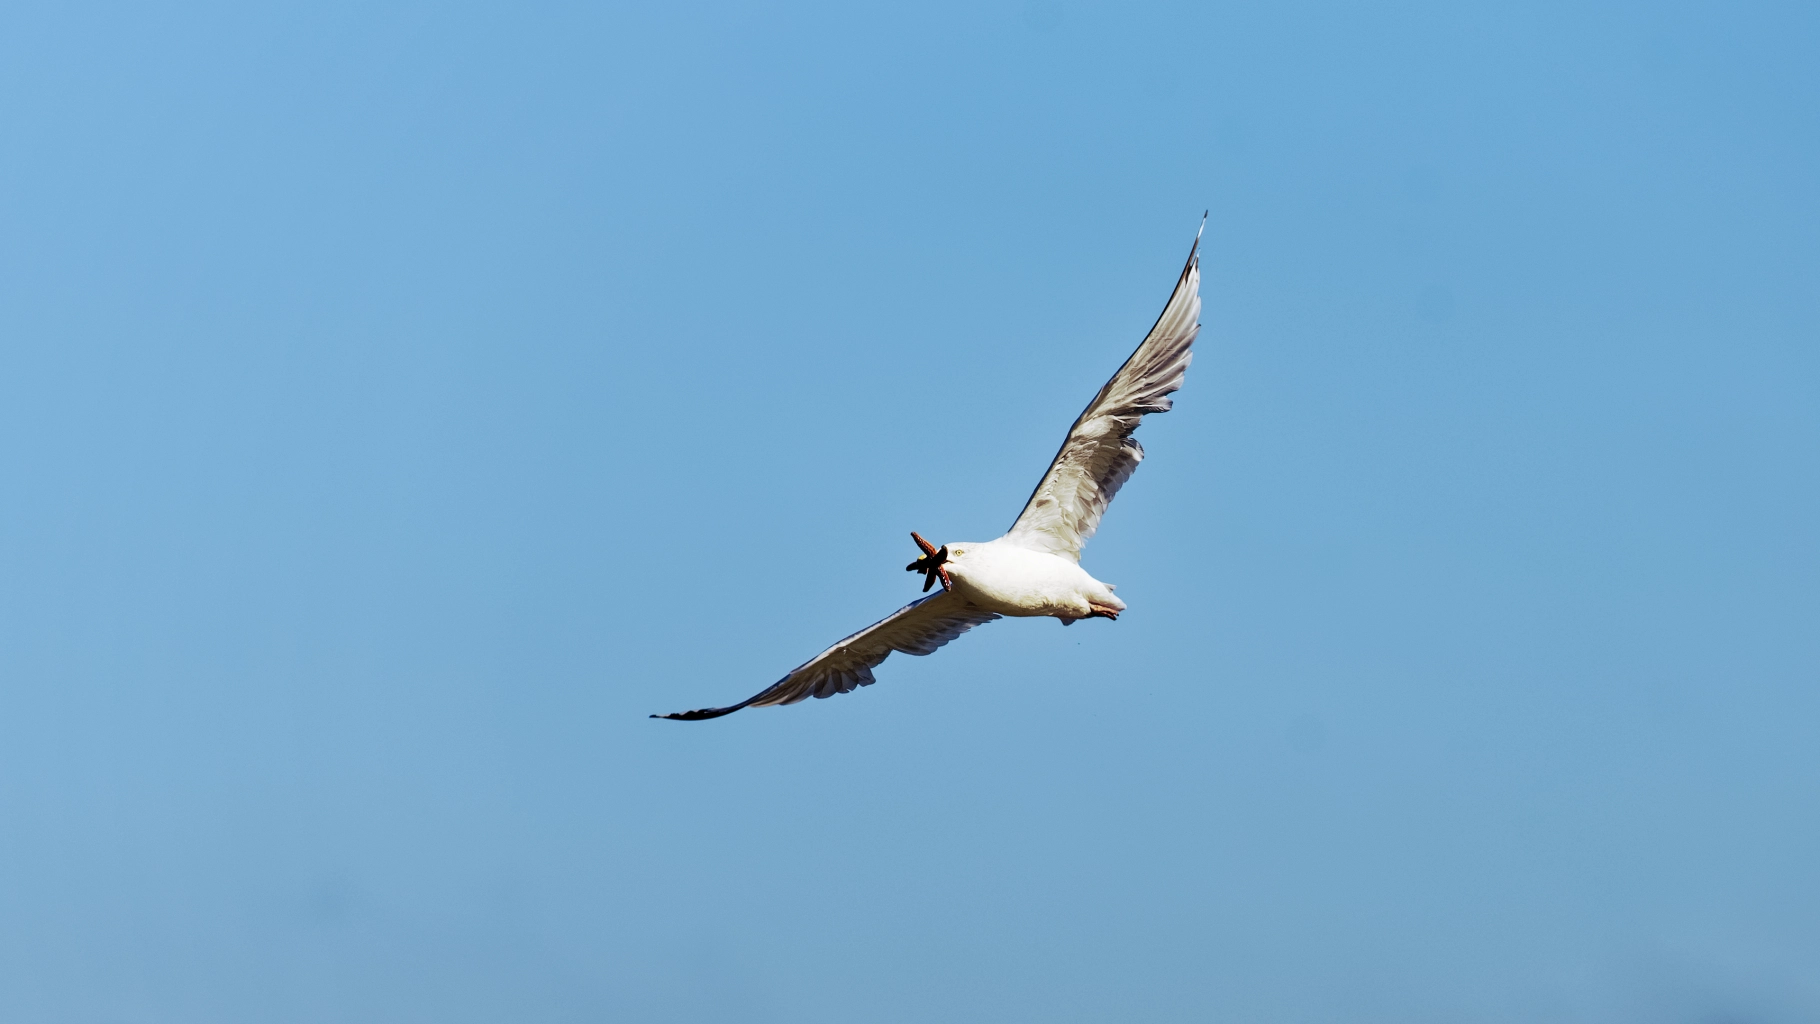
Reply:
x=1100, y=454
x=918, y=628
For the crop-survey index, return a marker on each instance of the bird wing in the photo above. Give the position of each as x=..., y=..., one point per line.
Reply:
x=917, y=628
x=1100, y=454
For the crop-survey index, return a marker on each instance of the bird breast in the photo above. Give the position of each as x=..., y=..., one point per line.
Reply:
x=1014, y=580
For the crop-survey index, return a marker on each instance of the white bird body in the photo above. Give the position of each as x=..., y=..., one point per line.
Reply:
x=1034, y=569
x=1006, y=577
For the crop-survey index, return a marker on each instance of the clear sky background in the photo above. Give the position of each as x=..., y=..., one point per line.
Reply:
x=399, y=402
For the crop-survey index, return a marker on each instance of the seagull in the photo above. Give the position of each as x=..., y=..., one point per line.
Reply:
x=1035, y=568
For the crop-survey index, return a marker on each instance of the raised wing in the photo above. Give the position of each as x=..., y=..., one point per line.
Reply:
x=1100, y=454
x=917, y=628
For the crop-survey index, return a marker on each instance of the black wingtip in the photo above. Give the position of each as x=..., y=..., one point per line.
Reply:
x=1194, y=254
x=700, y=715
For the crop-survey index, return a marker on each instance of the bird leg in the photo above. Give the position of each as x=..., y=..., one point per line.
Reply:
x=930, y=565
x=1102, y=613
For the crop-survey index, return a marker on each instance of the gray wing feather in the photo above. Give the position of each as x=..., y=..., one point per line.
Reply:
x=918, y=628
x=1100, y=454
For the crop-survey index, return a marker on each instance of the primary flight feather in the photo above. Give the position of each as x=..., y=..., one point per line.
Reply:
x=1034, y=569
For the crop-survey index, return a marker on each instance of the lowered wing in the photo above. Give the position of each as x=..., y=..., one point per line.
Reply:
x=917, y=628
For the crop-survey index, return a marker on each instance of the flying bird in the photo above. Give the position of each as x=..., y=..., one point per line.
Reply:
x=1034, y=569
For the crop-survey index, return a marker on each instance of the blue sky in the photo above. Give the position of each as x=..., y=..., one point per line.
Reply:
x=400, y=402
